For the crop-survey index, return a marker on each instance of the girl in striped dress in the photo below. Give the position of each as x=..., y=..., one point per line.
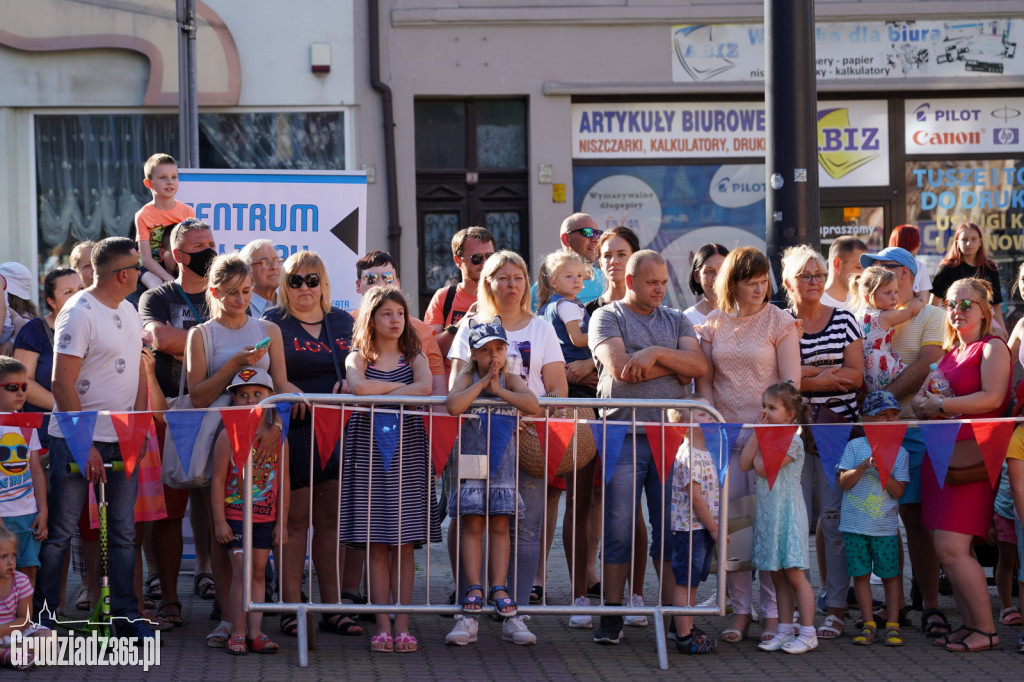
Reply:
x=387, y=497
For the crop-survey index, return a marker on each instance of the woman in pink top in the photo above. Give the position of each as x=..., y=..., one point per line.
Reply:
x=978, y=367
x=750, y=345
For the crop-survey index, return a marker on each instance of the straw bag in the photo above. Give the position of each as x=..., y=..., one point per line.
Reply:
x=531, y=454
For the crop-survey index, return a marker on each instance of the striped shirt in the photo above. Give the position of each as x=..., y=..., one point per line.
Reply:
x=825, y=349
x=924, y=329
x=867, y=508
x=20, y=588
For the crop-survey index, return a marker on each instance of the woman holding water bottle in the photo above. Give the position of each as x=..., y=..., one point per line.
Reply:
x=977, y=367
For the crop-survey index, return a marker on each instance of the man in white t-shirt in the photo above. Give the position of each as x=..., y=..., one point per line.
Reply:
x=843, y=266
x=97, y=367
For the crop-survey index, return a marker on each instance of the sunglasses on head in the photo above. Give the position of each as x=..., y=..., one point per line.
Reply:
x=14, y=387
x=588, y=232
x=965, y=304
x=312, y=280
x=478, y=258
x=384, y=277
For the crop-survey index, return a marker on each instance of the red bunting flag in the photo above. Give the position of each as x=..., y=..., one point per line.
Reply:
x=241, y=426
x=664, y=440
x=556, y=435
x=773, y=442
x=993, y=438
x=131, y=429
x=26, y=421
x=442, y=430
x=327, y=423
x=885, y=439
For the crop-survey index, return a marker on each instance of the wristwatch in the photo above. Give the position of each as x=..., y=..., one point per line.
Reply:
x=452, y=329
x=941, y=411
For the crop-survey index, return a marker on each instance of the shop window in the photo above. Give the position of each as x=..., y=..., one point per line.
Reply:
x=89, y=166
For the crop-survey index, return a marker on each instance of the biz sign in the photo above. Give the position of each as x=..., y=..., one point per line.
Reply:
x=853, y=136
x=959, y=126
x=322, y=211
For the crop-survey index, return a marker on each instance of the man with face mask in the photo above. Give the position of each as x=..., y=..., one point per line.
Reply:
x=169, y=311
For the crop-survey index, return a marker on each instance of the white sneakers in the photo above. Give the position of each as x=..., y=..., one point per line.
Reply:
x=464, y=632
x=636, y=600
x=581, y=622
x=514, y=630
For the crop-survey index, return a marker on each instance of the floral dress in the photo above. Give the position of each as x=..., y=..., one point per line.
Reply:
x=881, y=363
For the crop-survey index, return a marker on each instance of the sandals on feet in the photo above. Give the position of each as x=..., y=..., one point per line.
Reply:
x=236, y=646
x=83, y=603
x=153, y=589
x=405, y=643
x=170, y=612
x=472, y=604
x=203, y=586
x=953, y=636
x=290, y=625
x=1010, y=616
x=537, y=594
x=831, y=628
x=503, y=603
x=963, y=647
x=935, y=628
x=382, y=643
x=262, y=645
x=340, y=624
x=220, y=635
x=734, y=634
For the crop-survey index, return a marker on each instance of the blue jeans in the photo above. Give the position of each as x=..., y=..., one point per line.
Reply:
x=68, y=494
x=633, y=476
x=525, y=536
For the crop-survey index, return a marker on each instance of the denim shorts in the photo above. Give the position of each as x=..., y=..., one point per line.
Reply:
x=691, y=568
x=28, y=545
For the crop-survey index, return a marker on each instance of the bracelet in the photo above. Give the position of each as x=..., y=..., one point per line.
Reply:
x=941, y=411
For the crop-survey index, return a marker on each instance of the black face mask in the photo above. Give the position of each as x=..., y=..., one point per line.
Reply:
x=199, y=262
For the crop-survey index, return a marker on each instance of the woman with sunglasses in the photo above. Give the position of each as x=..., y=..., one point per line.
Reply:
x=831, y=369
x=978, y=367
x=316, y=342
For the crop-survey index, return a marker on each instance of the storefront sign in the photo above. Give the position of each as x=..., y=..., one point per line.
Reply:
x=964, y=126
x=877, y=50
x=320, y=211
x=853, y=136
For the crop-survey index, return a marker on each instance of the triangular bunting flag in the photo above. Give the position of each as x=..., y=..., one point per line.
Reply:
x=609, y=437
x=939, y=439
x=557, y=436
x=719, y=439
x=885, y=439
x=831, y=440
x=442, y=430
x=386, y=431
x=26, y=421
x=284, y=411
x=77, y=428
x=993, y=438
x=184, y=426
x=664, y=440
x=503, y=426
x=326, y=430
x=774, y=444
x=241, y=426
x=131, y=429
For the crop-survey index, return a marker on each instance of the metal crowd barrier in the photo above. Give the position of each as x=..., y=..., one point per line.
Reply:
x=433, y=407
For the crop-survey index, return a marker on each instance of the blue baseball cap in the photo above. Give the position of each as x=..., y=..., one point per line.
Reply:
x=877, y=402
x=893, y=253
x=482, y=334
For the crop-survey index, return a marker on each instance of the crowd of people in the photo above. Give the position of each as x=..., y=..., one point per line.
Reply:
x=141, y=325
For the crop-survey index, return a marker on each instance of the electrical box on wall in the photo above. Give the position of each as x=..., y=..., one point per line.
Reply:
x=320, y=57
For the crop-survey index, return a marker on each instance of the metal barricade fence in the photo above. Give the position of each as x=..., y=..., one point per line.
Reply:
x=394, y=412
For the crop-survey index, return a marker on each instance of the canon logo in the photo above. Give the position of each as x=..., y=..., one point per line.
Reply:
x=924, y=138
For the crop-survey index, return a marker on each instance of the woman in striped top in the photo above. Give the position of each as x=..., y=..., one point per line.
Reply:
x=832, y=368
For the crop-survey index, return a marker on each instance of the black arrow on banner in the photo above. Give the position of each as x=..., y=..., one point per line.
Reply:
x=347, y=231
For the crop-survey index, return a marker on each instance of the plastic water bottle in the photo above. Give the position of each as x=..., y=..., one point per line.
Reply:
x=938, y=383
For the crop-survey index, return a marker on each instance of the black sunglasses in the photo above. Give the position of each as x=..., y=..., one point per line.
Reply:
x=15, y=387
x=478, y=258
x=588, y=232
x=312, y=280
x=137, y=266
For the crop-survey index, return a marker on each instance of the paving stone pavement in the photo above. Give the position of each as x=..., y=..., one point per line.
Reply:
x=560, y=653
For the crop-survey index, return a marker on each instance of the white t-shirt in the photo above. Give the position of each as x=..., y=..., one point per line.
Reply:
x=922, y=282
x=109, y=341
x=829, y=301
x=696, y=317
x=16, y=495
x=529, y=349
x=570, y=311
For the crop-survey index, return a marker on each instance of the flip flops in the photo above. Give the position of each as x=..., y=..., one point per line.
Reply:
x=382, y=643
x=1010, y=616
